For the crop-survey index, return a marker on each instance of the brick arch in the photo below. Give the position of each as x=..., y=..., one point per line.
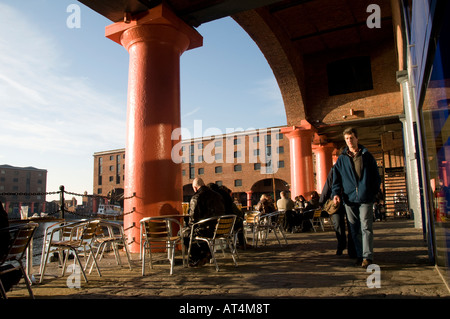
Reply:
x=285, y=62
x=280, y=184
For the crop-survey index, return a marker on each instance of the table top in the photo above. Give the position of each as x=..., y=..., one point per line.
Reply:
x=169, y=216
x=36, y=220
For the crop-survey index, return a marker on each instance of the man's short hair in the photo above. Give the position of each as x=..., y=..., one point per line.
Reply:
x=350, y=131
x=198, y=182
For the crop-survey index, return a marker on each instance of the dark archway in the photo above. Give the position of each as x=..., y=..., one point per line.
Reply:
x=268, y=186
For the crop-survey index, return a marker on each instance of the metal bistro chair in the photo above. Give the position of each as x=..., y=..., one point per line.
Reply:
x=157, y=233
x=58, y=231
x=273, y=222
x=223, y=234
x=19, y=241
x=316, y=219
x=252, y=223
x=81, y=239
x=110, y=233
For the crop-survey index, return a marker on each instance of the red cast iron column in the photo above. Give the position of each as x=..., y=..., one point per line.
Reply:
x=155, y=41
x=324, y=162
x=302, y=170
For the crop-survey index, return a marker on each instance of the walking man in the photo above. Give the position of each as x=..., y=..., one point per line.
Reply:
x=356, y=174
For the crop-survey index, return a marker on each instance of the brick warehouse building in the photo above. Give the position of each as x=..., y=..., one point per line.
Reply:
x=249, y=163
x=24, y=186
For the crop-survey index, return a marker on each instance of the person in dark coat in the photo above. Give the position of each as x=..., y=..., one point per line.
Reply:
x=265, y=205
x=13, y=277
x=338, y=220
x=356, y=182
x=231, y=208
x=4, y=236
x=204, y=204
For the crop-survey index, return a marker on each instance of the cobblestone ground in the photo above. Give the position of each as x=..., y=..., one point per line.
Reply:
x=307, y=267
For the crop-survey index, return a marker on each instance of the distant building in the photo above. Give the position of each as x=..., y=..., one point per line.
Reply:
x=250, y=163
x=23, y=186
x=109, y=171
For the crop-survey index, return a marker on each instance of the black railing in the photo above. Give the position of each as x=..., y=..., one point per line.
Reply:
x=62, y=210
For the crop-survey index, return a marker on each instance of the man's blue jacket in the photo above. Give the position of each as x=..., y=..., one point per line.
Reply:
x=356, y=191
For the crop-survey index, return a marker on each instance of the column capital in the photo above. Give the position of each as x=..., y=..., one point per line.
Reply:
x=297, y=130
x=317, y=147
x=160, y=15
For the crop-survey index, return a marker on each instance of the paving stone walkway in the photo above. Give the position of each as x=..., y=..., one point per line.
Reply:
x=306, y=268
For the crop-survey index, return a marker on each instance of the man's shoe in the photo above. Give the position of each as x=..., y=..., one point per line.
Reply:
x=358, y=261
x=339, y=252
x=366, y=263
x=203, y=261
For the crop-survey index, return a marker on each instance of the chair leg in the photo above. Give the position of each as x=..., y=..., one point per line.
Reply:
x=183, y=253
x=94, y=262
x=44, y=245
x=116, y=253
x=127, y=252
x=143, y=259
x=79, y=263
x=312, y=224
x=96, y=256
x=233, y=251
x=213, y=255
x=172, y=257
x=283, y=234
x=2, y=290
x=27, y=281
x=235, y=239
x=44, y=260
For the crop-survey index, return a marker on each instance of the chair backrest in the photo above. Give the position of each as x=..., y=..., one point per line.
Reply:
x=224, y=227
x=89, y=230
x=71, y=230
x=109, y=228
x=20, y=237
x=252, y=217
x=317, y=213
x=156, y=229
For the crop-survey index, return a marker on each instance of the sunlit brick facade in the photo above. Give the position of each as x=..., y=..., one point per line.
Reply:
x=24, y=186
x=249, y=163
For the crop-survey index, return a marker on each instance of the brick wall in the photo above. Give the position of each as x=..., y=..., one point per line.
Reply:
x=383, y=100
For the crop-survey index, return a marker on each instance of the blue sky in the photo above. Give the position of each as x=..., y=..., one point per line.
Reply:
x=63, y=90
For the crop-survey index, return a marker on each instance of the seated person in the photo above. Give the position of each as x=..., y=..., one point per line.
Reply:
x=287, y=205
x=264, y=205
x=11, y=278
x=204, y=204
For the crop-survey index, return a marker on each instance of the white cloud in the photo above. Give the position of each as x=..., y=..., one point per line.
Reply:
x=190, y=113
x=45, y=112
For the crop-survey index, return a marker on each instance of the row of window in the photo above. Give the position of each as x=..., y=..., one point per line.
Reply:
x=111, y=158
x=16, y=189
x=16, y=180
x=236, y=168
x=236, y=154
x=3, y=172
x=237, y=183
x=111, y=179
x=236, y=141
x=111, y=167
